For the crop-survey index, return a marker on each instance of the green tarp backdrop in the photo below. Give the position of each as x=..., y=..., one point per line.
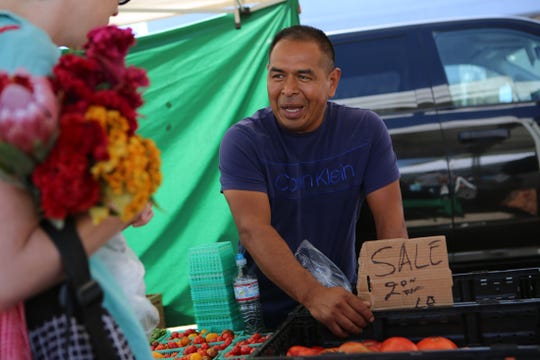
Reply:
x=203, y=78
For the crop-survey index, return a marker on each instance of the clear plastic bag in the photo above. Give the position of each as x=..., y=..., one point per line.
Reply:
x=320, y=266
x=129, y=271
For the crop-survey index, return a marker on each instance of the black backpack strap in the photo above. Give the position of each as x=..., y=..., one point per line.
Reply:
x=88, y=293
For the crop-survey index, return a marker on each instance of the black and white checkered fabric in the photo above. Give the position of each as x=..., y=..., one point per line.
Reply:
x=53, y=341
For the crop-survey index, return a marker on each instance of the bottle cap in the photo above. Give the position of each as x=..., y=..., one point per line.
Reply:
x=240, y=259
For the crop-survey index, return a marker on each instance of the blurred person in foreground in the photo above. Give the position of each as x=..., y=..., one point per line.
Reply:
x=301, y=169
x=31, y=32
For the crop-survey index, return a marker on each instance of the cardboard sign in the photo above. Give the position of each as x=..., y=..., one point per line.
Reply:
x=405, y=273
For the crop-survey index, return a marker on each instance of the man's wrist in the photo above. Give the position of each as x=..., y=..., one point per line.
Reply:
x=310, y=289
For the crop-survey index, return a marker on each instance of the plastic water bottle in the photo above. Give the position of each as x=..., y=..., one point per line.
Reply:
x=246, y=292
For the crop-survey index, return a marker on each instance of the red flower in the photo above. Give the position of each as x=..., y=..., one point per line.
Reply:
x=109, y=46
x=83, y=136
x=77, y=77
x=66, y=186
x=109, y=42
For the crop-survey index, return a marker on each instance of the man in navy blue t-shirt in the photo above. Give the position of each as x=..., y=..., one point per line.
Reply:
x=301, y=169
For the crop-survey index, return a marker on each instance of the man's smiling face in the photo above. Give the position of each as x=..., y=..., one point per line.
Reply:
x=299, y=82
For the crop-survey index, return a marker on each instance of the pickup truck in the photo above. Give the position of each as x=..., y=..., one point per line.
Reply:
x=461, y=100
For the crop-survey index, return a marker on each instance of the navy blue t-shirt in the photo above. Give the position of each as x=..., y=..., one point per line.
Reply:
x=316, y=182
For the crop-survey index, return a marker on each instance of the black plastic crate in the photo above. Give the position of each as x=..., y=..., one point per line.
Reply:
x=497, y=285
x=522, y=353
x=493, y=331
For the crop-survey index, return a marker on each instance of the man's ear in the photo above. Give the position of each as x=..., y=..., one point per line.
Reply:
x=333, y=78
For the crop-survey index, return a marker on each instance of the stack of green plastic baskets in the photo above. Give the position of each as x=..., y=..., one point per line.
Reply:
x=212, y=269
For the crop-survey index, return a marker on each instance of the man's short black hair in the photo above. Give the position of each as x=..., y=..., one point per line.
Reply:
x=306, y=33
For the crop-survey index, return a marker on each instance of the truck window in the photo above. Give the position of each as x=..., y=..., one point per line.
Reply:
x=375, y=74
x=490, y=66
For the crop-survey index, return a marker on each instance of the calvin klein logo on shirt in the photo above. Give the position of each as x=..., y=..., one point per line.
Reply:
x=323, y=178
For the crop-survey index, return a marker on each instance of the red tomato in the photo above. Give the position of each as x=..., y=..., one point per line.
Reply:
x=254, y=338
x=372, y=345
x=227, y=334
x=212, y=352
x=298, y=350
x=199, y=339
x=246, y=350
x=436, y=343
x=350, y=347
x=227, y=341
x=236, y=350
x=330, y=350
x=398, y=343
x=190, y=349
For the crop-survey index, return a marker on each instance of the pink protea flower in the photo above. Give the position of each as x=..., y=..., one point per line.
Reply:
x=28, y=113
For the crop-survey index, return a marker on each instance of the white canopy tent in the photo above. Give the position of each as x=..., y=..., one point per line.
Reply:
x=137, y=11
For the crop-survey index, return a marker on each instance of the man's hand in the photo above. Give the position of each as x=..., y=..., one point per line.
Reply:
x=342, y=312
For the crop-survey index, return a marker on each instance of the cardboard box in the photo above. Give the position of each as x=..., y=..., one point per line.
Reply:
x=405, y=273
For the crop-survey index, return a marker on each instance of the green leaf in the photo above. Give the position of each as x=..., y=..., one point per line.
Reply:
x=11, y=179
x=14, y=161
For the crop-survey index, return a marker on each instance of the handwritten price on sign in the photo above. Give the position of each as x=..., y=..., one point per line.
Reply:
x=405, y=287
x=408, y=287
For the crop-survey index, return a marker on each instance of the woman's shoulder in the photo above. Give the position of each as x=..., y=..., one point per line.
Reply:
x=14, y=28
x=25, y=46
x=9, y=18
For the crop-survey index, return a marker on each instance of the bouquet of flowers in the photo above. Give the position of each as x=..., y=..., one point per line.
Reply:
x=71, y=138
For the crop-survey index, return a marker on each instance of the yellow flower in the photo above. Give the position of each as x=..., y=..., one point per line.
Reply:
x=98, y=214
x=132, y=173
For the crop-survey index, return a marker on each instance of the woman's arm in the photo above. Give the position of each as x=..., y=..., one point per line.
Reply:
x=29, y=261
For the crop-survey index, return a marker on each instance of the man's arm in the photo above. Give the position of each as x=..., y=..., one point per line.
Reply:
x=341, y=311
x=387, y=208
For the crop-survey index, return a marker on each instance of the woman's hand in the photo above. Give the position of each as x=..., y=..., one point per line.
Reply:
x=144, y=216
